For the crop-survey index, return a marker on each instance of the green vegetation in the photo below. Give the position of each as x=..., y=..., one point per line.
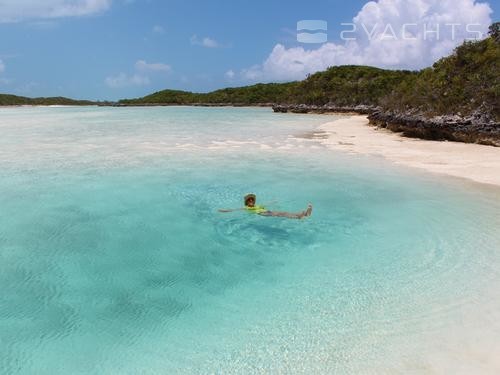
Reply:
x=462, y=83
x=348, y=86
x=6, y=99
x=340, y=85
x=260, y=93
x=256, y=94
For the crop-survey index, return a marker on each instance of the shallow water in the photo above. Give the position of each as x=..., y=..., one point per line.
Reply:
x=114, y=259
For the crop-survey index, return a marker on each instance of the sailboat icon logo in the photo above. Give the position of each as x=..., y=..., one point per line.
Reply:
x=312, y=31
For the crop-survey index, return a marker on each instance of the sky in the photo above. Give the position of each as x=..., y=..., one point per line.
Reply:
x=113, y=49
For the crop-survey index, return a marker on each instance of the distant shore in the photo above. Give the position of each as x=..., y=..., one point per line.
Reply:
x=475, y=162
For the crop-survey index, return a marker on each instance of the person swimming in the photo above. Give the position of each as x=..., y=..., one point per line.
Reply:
x=251, y=206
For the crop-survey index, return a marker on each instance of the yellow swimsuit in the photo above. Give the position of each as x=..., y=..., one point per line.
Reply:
x=256, y=209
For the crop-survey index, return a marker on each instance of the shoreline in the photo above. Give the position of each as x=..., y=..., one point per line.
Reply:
x=478, y=127
x=354, y=134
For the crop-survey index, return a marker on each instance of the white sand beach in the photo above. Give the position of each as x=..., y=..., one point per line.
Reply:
x=472, y=161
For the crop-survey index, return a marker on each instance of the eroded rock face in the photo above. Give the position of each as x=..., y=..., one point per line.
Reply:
x=477, y=128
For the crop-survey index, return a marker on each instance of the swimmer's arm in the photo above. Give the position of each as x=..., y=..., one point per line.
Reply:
x=231, y=210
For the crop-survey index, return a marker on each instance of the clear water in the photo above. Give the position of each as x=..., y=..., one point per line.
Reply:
x=114, y=259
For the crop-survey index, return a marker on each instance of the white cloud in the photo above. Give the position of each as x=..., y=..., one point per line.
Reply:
x=143, y=66
x=157, y=29
x=124, y=80
x=204, y=42
x=18, y=10
x=230, y=74
x=140, y=77
x=382, y=39
x=2, y=66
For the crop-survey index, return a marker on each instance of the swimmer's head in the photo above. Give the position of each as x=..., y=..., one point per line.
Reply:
x=250, y=200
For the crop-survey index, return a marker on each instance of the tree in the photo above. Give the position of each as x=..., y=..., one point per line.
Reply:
x=495, y=31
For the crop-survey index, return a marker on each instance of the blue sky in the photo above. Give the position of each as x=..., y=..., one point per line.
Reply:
x=111, y=49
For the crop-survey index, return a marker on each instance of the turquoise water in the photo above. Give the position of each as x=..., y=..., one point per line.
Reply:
x=114, y=259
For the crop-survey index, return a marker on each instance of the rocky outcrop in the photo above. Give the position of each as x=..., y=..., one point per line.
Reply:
x=479, y=127
x=327, y=108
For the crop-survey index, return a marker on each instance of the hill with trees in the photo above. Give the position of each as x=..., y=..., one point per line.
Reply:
x=458, y=98
x=462, y=83
x=6, y=100
x=248, y=95
x=339, y=85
